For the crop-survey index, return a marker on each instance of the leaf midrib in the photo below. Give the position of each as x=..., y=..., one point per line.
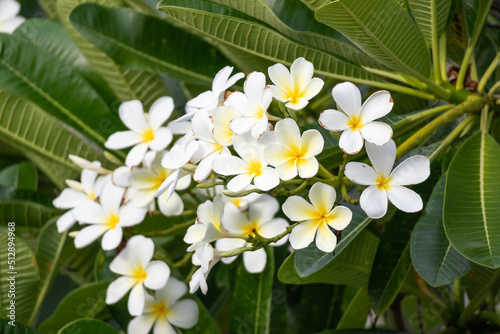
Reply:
x=481, y=192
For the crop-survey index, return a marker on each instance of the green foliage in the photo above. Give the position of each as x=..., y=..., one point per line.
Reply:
x=88, y=326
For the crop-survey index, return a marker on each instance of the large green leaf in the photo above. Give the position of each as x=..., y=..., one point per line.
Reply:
x=84, y=302
x=351, y=267
x=314, y=4
x=34, y=74
x=431, y=17
x=27, y=127
x=296, y=22
x=127, y=84
x=215, y=20
x=311, y=259
x=471, y=211
x=206, y=323
x=251, y=304
x=434, y=258
x=18, y=328
x=25, y=273
x=21, y=176
x=138, y=41
x=383, y=30
x=392, y=262
x=79, y=266
x=88, y=326
x=356, y=308
x=25, y=213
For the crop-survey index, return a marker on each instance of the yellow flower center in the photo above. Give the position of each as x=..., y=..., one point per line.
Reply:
x=91, y=196
x=255, y=167
x=355, y=123
x=162, y=176
x=139, y=274
x=112, y=221
x=249, y=230
x=148, y=135
x=160, y=310
x=238, y=202
x=383, y=182
x=295, y=95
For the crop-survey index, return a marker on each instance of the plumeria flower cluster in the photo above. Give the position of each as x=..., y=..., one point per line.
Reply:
x=242, y=154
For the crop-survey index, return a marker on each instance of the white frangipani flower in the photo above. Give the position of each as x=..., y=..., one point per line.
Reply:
x=164, y=310
x=252, y=105
x=206, y=257
x=243, y=202
x=294, y=154
x=9, y=21
x=356, y=120
x=138, y=271
x=144, y=182
x=78, y=193
x=146, y=131
x=384, y=184
x=207, y=227
x=106, y=218
x=297, y=86
x=251, y=166
x=208, y=147
x=261, y=219
x=211, y=99
x=222, y=118
x=316, y=218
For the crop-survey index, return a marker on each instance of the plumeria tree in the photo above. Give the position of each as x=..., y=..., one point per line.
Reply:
x=219, y=166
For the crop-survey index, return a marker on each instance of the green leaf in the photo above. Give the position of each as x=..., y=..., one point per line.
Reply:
x=49, y=255
x=88, y=326
x=215, y=21
x=471, y=212
x=27, y=127
x=83, y=302
x=357, y=308
x=126, y=84
x=20, y=176
x=311, y=259
x=79, y=266
x=351, y=267
x=383, y=30
x=314, y=4
x=26, y=213
x=251, y=304
x=18, y=328
x=25, y=273
x=142, y=42
x=206, y=323
x=434, y=258
x=34, y=74
x=392, y=262
x=431, y=16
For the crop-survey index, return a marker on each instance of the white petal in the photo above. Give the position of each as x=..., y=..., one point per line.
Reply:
x=136, y=300
x=111, y=198
x=157, y=274
x=301, y=72
x=160, y=111
x=8, y=26
x=195, y=234
x=303, y=234
x=131, y=215
x=139, y=250
x=202, y=126
x=281, y=77
x=112, y=238
x=119, y=288
x=333, y=120
x=171, y=292
x=140, y=198
x=340, y=217
x=276, y=154
x=141, y=324
x=287, y=133
x=382, y=157
x=235, y=221
x=273, y=228
x=298, y=209
x=264, y=209
x=122, y=139
x=136, y=154
x=239, y=182
x=120, y=176
x=228, y=244
x=65, y=222
x=89, y=212
x=280, y=94
x=89, y=234
x=255, y=261
x=228, y=165
x=312, y=143
x=132, y=115
x=312, y=88
x=348, y=98
x=9, y=9
x=267, y=180
x=351, y=141
x=163, y=137
x=288, y=170
x=220, y=79
x=162, y=326
x=184, y=314
x=242, y=125
x=325, y=239
x=413, y=170
x=323, y=197
x=204, y=168
x=299, y=104
x=374, y=202
x=254, y=87
x=179, y=128
x=376, y=133
x=69, y=198
x=198, y=280
x=203, y=100
x=377, y=105
x=404, y=199
x=360, y=173
x=172, y=206
x=307, y=167
x=260, y=127
x=88, y=178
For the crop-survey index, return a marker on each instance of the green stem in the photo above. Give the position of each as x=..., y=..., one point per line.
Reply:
x=390, y=75
x=302, y=186
x=489, y=71
x=463, y=68
x=452, y=136
x=493, y=90
x=241, y=193
x=472, y=104
x=210, y=184
x=172, y=229
x=413, y=121
x=435, y=45
x=442, y=57
x=182, y=262
x=324, y=172
x=407, y=90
